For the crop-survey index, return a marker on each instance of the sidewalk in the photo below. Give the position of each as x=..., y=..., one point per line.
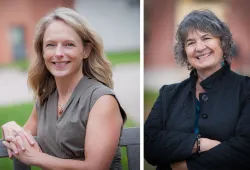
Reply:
x=14, y=89
x=127, y=88
x=154, y=79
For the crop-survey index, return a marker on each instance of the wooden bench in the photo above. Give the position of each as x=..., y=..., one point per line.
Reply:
x=130, y=139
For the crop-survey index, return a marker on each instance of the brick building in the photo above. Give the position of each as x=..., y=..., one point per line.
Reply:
x=17, y=24
x=161, y=19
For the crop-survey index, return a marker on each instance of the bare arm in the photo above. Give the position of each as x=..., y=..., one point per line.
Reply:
x=101, y=142
x=31, y=123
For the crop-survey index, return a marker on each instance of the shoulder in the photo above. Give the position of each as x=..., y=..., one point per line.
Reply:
x=172, y=88
x=93, y=88
x=106, y=95
x=243, y=84
x=243, y=80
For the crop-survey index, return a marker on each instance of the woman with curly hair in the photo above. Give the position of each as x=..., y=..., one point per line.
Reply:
x=77, y=118
x=203, y=122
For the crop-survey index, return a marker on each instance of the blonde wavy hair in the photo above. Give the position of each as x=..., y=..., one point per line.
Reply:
x=95, y=66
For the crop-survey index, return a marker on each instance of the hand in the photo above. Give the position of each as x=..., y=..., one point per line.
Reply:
x=207, y=144
x=27, y=156
x=13, y=129
x=179, y=166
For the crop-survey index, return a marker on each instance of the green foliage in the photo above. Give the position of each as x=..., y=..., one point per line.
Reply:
x=20, y=113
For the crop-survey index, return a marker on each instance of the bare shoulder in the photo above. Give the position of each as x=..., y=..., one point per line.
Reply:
x=106, y=104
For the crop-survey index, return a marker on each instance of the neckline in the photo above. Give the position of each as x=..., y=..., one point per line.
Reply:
x=212, y=81
x=69, y=100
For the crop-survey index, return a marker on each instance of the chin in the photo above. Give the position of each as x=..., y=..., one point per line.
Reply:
x=60, y=74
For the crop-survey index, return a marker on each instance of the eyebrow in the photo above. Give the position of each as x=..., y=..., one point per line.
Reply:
x=190, y=39
x=51, y=40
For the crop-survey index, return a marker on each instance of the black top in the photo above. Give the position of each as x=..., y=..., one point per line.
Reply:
x=224, y=116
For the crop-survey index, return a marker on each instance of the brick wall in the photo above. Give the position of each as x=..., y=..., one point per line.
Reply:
x=25, y=14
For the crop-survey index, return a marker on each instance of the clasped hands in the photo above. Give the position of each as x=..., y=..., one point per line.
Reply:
x=20, y=143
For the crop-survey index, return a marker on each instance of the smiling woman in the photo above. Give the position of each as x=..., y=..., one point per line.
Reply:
x=63, y=50
x=204, y=121
x=75, y=104
x=203, y=51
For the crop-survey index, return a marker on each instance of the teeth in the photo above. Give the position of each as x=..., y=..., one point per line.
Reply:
x=203, y=56
x=66, y=62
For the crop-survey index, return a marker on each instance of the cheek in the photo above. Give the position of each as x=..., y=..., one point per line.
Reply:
x=219, y=52
x=48, y=54
x=189, y=53
x=46, y=60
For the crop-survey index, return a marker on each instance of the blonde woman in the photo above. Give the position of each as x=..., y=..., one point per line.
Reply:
x=76, y=118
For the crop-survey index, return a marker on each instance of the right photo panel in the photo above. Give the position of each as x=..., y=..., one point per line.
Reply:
x=196, y=85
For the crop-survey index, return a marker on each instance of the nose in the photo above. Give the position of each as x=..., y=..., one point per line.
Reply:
x=200, y=46
x=59, y=51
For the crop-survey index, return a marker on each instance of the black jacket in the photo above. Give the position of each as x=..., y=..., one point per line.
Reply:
x=224, y=116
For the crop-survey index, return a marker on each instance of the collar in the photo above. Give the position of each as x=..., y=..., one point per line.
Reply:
x=212, y=81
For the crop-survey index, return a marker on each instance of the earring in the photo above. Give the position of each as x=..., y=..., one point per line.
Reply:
x=222, y=63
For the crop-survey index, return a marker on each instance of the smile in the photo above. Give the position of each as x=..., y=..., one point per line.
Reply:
x=204, y=56
x=61, y=65
x=61, y=62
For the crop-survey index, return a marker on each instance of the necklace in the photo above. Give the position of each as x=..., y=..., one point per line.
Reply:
x=61, y=109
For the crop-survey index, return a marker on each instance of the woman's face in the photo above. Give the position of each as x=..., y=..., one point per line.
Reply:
x=203, y=51
x=63, y=50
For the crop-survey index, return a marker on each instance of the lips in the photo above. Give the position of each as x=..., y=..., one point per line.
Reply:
x=203, y=56
x=61, y=64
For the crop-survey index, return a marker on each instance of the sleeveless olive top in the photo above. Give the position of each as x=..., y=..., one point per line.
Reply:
x=65, y=137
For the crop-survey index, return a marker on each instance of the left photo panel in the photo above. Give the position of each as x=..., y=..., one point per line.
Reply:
x=70, y=84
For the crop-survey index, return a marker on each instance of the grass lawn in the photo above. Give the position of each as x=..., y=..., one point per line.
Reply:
x=115, y=58
x=124, y=57
x=149, y=100
x=20, y=114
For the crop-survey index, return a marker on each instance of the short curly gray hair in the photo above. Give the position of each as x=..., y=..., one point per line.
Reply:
x=205, y=21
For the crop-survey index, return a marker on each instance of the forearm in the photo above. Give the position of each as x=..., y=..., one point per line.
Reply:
x=166, y=147
x=231, y=154
x=49, y=162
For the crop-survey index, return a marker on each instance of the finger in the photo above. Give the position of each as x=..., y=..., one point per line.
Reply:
x=27, y=136
x=9, y=153
x=30, y=138
x=13, y=148
x=9, y=148
x=7, y=144
x=13, y=143
x=20, y=142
